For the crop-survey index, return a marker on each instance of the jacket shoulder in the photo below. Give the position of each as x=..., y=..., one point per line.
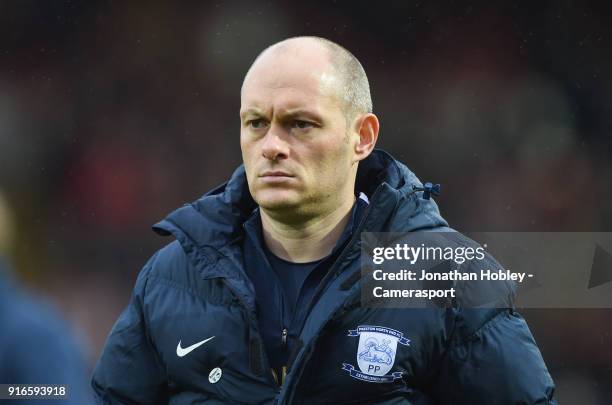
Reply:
x=171, y=265
x=171, y=270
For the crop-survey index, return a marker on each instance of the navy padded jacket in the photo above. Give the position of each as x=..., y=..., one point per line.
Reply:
x=196, y=288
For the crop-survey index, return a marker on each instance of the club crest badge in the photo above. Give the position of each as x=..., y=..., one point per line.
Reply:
x=376, y=353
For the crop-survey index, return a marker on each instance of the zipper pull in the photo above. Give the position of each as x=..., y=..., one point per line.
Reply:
x=284, y=338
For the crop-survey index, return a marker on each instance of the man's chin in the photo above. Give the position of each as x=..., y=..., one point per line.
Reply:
x=276, y=200
x=276, y=204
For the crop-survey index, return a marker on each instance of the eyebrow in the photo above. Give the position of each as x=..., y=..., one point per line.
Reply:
x=251, y=111
x=302, y=111
x=289, y=113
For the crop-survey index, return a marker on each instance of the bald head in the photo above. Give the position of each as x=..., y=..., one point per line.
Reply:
x=338, y=69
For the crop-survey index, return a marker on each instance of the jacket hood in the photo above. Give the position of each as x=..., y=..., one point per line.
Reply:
x=215, y=220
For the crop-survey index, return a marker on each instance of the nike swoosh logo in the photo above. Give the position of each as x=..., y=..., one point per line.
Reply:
x=180, y=351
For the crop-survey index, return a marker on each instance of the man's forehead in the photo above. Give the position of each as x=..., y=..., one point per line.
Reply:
x=287, y=92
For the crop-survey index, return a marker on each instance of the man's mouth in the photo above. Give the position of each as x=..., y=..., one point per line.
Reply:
x=275, y=174
x=276, y=177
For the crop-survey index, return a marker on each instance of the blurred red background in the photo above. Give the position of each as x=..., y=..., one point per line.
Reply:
x=113, y=114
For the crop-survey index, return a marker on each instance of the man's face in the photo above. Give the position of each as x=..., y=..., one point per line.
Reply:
x=294, y=138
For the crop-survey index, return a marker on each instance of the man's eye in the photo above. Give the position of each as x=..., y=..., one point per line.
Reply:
x=257, y=124
x=302, y=124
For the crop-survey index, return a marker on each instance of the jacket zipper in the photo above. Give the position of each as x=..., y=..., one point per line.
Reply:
x=254, y=326
x=325, y=282
x=284, y=338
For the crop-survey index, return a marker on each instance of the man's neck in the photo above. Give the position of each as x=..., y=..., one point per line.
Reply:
x=308, y=241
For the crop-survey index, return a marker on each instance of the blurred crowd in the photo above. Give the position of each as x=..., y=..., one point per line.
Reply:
x=113, y=114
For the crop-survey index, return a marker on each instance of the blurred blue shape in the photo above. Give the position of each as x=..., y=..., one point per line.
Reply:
x=36, y=346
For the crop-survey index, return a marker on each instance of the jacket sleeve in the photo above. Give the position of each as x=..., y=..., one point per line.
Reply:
x=493, y=359
x=128, y=371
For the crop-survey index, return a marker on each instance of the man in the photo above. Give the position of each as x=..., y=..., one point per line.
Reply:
x=253, y=301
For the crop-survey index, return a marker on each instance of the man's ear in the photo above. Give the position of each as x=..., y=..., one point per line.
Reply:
x=367, y=127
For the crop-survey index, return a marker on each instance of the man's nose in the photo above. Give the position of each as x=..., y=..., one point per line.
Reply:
x=274, y=146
